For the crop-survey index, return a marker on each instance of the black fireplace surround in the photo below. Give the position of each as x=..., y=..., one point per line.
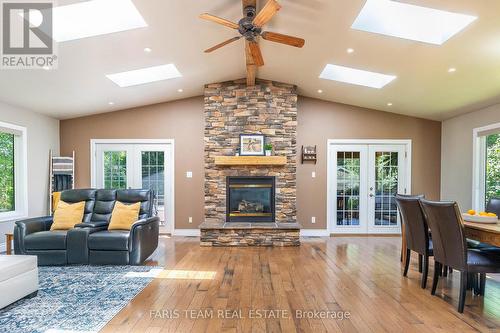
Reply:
x=250, y=199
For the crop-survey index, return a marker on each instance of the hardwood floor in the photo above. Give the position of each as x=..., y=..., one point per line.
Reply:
x=358, y=275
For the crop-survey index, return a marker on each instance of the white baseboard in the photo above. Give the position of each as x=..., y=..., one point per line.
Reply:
x=187, y=232
x=314, y=232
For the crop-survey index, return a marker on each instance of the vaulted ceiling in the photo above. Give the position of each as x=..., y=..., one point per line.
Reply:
x=175, y=34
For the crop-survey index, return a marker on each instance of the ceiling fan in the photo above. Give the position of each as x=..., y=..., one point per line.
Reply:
x=250, y=28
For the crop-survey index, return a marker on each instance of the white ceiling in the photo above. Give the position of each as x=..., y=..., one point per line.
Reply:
x=423, y=88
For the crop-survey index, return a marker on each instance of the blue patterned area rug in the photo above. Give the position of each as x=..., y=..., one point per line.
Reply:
x=76, y=298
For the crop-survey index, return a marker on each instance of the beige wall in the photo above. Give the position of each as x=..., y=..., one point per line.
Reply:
x=317, y=122
x=180, y=120
x=43, y=135
x=456, y=157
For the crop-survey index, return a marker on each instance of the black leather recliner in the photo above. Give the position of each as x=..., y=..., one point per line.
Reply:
x=90, y=242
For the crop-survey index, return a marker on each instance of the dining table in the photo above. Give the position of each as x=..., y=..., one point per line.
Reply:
x=483, y=232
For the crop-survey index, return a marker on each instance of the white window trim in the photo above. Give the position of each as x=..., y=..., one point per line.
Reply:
x=20, y=173
x=479, y=166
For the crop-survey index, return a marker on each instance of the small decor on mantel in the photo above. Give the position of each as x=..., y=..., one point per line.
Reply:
x=251, y=145
x=309, y=154
x=269, y=149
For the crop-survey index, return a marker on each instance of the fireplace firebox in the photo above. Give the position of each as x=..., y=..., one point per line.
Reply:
x=250, y=199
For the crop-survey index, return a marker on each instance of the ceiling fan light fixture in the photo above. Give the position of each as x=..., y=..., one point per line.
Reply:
x=250, y=28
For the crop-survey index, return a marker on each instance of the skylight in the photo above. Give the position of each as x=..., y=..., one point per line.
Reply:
x=93, y=18
x=355, y=76
x=145, y=75
x=407, y=21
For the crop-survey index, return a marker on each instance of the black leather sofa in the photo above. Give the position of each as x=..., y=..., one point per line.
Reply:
x=90, y=242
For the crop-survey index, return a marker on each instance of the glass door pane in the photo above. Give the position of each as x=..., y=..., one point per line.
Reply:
x=386, y=188
x=150, y=173
x=113, y=166
x=349, y=188
x=386, y=179
x=153, y=174
x=115, y=169
x=348, y=184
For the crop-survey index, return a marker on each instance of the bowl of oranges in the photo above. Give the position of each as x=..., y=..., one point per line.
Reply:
x=480, y=217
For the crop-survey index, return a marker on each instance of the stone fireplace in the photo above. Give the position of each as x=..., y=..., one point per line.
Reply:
x=250, y=199
x=264, y=214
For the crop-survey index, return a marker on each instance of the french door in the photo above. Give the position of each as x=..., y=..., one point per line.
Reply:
x=133, y=166
x=363, y=181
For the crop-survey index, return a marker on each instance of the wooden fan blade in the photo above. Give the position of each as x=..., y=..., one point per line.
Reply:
x=283, y=39
x=219, y=20
x=267, y=13
x=218, y=46
x=256, y=54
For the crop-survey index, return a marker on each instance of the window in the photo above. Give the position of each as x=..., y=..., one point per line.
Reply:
x=486, y=167
x=492, y=169
x=13, y=200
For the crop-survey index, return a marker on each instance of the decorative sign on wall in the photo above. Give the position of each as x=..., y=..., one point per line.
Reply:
x=309, y=154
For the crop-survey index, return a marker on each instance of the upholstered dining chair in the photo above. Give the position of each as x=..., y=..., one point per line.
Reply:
x=493, y=206
x=416, y=232
x=450, y=247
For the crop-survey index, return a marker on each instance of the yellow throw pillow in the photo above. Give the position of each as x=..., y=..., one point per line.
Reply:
x=123, y=216
x=67, y=215
x=56, y=197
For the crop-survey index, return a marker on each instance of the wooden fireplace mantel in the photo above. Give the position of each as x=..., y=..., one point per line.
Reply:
x=250, y=160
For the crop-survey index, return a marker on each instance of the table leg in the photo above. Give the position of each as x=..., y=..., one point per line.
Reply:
x=8, y=245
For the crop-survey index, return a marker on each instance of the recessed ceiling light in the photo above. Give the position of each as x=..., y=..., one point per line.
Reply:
x=93, y=18
x=355, y=76
x=111, y=103
x=145, y=75
x=147, y=50
x=389, y=104
x=320, y=91
x=452, y=70
x=407, y=21
x=180, y=90
x=349, y=50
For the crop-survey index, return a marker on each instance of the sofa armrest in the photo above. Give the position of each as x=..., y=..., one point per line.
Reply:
x=77, y=249
x=23, y=228
x=143, y=239
x=92, y=225
x=144, y=222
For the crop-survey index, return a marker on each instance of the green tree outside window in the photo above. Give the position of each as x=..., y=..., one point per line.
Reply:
x=492, y=167
x=7, y=194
